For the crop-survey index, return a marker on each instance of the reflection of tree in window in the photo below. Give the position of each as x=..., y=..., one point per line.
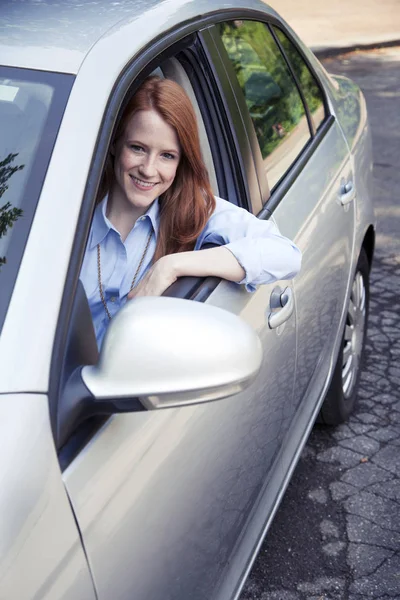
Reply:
x=8, y=214
x=308, y=84
x=271, y=96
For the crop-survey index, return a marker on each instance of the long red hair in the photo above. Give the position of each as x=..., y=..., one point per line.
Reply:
x=189, y=202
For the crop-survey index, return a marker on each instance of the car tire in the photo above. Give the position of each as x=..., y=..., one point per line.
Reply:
x=341, y=396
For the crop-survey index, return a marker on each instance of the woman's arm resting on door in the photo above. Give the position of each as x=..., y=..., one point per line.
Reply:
x=249, y=250
x=218, y=262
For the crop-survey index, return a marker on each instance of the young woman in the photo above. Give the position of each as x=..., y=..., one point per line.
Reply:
x=157, y=209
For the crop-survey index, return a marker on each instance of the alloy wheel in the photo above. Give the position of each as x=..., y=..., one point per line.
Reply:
x=354, y=334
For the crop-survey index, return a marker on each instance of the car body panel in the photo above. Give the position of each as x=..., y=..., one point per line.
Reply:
x=302, y=215
x=357, y=131
x=188, y=478
x=324, y=231
x=39, y=35
x=41, y=556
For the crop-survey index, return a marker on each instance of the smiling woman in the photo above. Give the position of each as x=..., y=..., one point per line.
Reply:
x=146, y=159
x=156, y=208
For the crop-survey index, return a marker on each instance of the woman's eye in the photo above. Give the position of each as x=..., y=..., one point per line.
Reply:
x=137, y=148
x=169, y=156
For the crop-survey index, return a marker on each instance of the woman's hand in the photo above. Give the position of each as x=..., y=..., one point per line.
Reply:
x=157, y=279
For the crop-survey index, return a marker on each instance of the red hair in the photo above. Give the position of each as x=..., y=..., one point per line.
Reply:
x=189, y=202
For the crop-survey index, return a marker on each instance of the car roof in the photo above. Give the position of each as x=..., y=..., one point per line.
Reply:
x=56, y=35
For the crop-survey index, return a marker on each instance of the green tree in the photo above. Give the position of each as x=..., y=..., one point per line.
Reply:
x=8, y=214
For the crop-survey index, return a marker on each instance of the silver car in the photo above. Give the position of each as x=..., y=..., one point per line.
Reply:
x=153, y=471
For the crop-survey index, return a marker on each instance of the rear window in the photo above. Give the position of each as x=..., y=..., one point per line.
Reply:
x=31, y=108
x=311, y=90
x=271, y=94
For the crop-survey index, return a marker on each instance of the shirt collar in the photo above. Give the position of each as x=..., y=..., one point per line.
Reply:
x=153, y=213
x=101, y=225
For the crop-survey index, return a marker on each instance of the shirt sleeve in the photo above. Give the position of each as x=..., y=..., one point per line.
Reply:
x=264, y=254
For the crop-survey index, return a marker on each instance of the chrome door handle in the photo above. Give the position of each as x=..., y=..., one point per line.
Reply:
x=286, y=301
x=347, y=193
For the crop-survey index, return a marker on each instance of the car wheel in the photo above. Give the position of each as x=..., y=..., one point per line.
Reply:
x=341, y=396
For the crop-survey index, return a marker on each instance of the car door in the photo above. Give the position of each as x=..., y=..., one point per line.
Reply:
x=302, y=157
x=173, y=503
x=41, y=554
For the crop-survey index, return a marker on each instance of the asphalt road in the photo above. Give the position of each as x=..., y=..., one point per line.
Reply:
x=336, y=535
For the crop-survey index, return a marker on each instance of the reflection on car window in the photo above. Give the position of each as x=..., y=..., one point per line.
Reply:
x=308, y=83
x=31, y=108
x=272, y=97
x=9, y=214
x=23, y=109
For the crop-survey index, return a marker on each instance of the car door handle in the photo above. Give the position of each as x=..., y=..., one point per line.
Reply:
x=284, y=299
x=347, y=193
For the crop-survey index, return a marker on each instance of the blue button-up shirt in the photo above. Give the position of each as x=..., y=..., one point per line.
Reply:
x=261, y=250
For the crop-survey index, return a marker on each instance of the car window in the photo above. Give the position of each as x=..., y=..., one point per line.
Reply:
x=309, y=86
x=30, y=113
x=271, y=94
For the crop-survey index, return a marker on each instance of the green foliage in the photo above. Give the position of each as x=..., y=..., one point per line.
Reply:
x=271, y=95
x=8, y=214
x=307, y=82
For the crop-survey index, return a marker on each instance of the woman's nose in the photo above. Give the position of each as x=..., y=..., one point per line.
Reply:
x=148, y=167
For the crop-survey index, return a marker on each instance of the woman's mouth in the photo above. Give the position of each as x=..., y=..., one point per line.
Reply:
x=143, y=185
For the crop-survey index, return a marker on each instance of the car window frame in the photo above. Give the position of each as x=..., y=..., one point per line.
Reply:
x=187, y=49
x=271, y=198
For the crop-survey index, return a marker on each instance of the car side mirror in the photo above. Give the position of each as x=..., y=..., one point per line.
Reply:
x=171, y=352
x=162, y=352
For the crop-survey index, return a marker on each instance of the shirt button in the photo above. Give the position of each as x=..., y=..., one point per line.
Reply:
x=113, y=298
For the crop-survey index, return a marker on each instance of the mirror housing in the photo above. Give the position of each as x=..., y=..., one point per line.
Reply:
x=157, y=353
x=168, y=352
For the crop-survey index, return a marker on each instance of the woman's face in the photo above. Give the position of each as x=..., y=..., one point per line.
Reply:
x=146, y=159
